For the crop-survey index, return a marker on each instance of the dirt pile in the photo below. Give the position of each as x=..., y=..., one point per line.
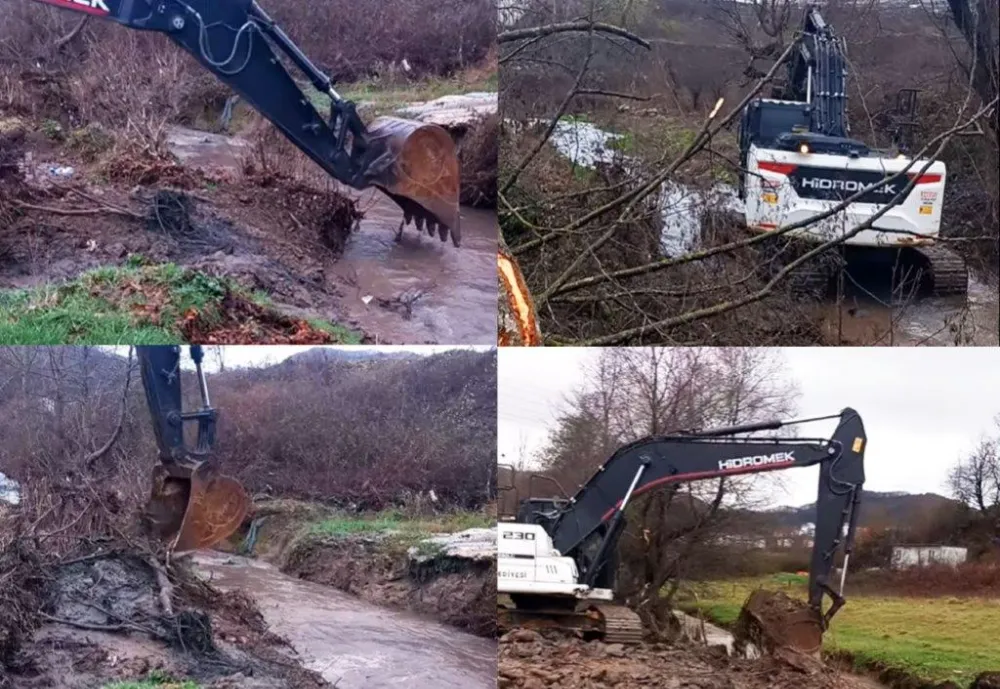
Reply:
x=530, y=660
x=298, y=206
x=107, y=610
x=773, y=621
x=108, y=617
x=457, y=591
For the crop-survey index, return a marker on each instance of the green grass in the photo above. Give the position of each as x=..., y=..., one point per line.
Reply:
x=399, y=525
x=134, y=304
x=935, y=639
x=155, y=680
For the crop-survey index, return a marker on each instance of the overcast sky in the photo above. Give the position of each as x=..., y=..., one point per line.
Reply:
x=236, y=356
x=923, y=408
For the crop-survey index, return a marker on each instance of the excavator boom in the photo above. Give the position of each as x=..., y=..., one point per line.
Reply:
x=586, y=528
x=191, y=506
x=416, y=165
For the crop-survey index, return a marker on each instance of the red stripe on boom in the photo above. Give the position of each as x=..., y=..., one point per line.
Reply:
x=77, y=7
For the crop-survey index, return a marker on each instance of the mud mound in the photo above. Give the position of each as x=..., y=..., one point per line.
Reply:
x=774, y=622
x=530, y=660
x=456, y=591
x=20, y=597
x=331, y=214
x=479, y=156
x=137, y=164
x=240, y=321
x=109, y=616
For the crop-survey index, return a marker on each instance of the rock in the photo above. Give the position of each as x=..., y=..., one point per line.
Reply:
x=523, y=636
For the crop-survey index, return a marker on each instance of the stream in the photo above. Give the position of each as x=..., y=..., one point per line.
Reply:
x=355, y=645
x=869, y=308
x=451, y=291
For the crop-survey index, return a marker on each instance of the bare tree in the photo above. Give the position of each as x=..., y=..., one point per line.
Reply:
x=975, y=480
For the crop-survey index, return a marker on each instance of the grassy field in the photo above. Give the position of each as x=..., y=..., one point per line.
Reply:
x=935, y=639
x=135, y=304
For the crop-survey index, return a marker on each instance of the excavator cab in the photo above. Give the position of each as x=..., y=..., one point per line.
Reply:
x=191, y=506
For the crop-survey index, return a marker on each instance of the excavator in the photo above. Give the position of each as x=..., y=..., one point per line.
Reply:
x=557, y=558
x=192, y=505
x=415, y=164
x=799, y=161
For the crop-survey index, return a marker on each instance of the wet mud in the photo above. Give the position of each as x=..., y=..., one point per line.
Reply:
x=351, y=643
x=103, y=620
x=530, y=660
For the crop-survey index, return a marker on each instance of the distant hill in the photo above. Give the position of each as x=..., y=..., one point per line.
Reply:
x=877, y=510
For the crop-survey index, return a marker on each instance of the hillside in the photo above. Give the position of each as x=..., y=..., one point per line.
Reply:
x=878, y=510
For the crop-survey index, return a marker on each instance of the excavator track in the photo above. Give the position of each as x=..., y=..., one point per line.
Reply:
x=949, y=273
x=621, y=625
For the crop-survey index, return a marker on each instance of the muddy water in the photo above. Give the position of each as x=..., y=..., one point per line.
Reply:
x=415, y=291
x=869, y=314
x=355, y=645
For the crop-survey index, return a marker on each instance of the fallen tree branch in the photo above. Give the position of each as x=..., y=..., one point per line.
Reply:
x=570, y=27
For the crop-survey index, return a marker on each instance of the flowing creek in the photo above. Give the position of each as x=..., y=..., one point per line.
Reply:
x=355, y=645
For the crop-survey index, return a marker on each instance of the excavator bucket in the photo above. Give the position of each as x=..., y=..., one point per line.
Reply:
x=192, y=509
x=775, y=622
x=417, y=165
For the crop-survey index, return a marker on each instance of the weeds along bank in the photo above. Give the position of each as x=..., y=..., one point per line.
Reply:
x=88, y=601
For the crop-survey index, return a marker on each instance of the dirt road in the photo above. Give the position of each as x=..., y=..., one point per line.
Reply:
x=417, y=290
x=355, y=645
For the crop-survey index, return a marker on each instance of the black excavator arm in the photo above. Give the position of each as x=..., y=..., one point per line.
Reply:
x=228, y=38
x=160, y=368
x=587, y=527
x=191, y=506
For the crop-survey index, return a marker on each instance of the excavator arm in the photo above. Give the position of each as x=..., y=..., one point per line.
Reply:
x=587, y=527
x=191, y=506
x=416, y=165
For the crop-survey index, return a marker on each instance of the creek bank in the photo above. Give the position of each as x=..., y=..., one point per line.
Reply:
x=100, y=620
